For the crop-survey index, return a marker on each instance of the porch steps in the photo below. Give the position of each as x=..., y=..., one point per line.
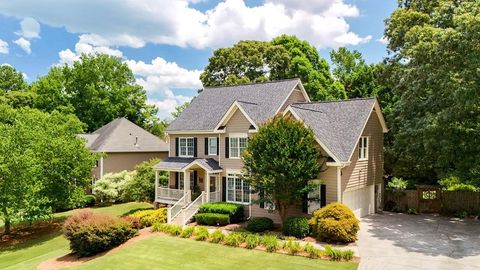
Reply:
x=188, y=211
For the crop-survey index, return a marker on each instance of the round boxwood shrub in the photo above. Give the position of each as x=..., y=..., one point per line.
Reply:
x=334, y=223
x=296, y=226
x=260, y=224
x=89, y=200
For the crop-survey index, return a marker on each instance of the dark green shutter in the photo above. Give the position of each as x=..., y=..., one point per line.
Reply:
x=227, y=145
x=195, y=147
x=323, y=195
x=176, y=146
x=224, y=189
x=262, y=195
x=218, y=146
x=206, y=146
x=176, y=179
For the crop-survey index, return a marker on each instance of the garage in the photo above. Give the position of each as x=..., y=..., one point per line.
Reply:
x=361, y=201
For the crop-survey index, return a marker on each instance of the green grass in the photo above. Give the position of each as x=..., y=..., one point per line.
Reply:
x=29, y=254
x=162, y=252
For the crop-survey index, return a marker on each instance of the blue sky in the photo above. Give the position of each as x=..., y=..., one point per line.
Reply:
x=167, y=43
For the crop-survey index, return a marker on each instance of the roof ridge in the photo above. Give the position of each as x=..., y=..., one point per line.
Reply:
x=253, y=83
x=334, y=101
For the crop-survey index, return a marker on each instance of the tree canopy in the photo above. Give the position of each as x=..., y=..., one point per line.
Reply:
x=44, y=165
x=435, y=47
x=280, y=160
x=98, y=88
x=285, y=57
x=11, y=79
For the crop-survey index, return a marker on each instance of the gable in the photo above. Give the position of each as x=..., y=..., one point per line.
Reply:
x=238, y=123
x=297, y=96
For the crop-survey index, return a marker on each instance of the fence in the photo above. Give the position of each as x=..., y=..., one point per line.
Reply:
x=432, y=199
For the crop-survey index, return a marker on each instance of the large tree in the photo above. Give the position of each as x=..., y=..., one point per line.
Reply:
x=44, y=165
x=280, y=160
x=435, y=45
x=358, y=78
x=285, y=57
x=11, y=79
x=98, y=88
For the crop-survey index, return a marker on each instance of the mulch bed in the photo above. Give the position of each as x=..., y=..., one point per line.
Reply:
x=22, y=233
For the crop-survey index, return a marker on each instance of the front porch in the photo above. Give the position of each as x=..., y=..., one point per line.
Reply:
x=188, y=179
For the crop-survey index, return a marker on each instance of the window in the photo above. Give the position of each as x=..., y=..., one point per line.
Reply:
x=212, y=146
x=363, y=148
x=185, y=147
x=237, y=145
x=238, y=191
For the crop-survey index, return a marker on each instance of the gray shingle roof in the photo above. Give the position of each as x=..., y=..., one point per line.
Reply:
x=121, y=135
x=179, y=163
x=337, y=124
x=260, y=101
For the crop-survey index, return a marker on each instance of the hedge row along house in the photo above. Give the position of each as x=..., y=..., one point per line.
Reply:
x=207, y=139
x=124, y=145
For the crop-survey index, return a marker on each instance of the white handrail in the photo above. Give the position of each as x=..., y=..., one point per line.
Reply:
x=175, y=209
x=192, y=208
x=169, y=193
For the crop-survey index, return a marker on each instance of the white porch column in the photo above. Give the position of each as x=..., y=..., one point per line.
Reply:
x=207, y=188
x=156, y=184
x=186, y=182
x=101, y=167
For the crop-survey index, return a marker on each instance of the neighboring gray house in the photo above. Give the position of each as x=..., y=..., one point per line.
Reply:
x=125, y=145
x=207, y=139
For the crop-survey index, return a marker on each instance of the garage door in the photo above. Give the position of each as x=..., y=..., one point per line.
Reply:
x=361, y=201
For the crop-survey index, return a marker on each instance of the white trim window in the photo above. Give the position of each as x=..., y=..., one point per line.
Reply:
x=186, y=146
x=237, y=145
x=238, y=190
x=363, y=148
x=212, y=146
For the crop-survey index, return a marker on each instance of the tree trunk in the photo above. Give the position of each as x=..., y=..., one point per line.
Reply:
x=282, y=211
x=7, y=225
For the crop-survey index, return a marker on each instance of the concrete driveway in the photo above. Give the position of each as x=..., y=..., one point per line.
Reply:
x=392, y=241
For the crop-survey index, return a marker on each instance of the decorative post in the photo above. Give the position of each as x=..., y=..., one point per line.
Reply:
x=186, y=184
x=207, y=188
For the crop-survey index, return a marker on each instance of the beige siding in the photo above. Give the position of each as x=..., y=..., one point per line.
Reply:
x=362, y=173
x=238, y=123
x=200, y=144
x=117, y=162
x=295, y=97
x=256, y=211
x=329, y=177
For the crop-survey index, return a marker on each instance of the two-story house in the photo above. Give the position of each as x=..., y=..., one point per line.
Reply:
x=207, y=140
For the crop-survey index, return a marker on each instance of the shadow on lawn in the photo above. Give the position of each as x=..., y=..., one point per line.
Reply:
x=428, y=234
x=28, y=237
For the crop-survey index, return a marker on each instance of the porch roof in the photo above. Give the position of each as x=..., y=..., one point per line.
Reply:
x=182, y=163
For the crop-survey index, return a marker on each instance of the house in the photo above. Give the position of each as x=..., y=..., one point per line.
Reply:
x=125, y=145
x=207, y=139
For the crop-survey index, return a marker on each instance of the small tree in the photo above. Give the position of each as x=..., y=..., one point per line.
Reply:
x=112, y=187
x=280, y=160
x=142, y=186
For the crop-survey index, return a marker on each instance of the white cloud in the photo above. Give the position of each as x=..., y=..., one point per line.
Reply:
x=24, y=44
x=134, y=23
x=68, y=56
x=30, y=28
x=383, y=40
x=3, y=47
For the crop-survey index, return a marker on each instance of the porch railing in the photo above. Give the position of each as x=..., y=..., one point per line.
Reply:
x=192, y=208
x=170, y=193
x=175, y=209
x=215, y=196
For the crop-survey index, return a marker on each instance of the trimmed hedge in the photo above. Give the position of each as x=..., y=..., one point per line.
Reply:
x=296, y=226
x=89, y=200
x=234, y=211
x=90, y=233
x=335, y=223
x=212, y=219
x=149, y=217
x=259, y=224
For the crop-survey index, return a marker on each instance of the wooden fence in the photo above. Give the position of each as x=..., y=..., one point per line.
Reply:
x=432, y=199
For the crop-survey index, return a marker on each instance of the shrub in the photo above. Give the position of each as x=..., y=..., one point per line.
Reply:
x=296, y=226
x=312, y=251
x=174, y=230
x=217, y=236
x=149, y=217
x=260, y=224
x=89, y=200
x=412, y=211
x=234, y=211
x=212, y=219
x=335, y=223
x=461, y=214
x=397, y=184
x=252, y=241
x=338, y=254
x=90, y=233
x=462, y=187
x=141, y=187
x=112, y=186
x=233, y=239
x=270, y=242
x=201, y=233
x=134, y=222
x=453, y=183
x=187, y=232
x=293, y=247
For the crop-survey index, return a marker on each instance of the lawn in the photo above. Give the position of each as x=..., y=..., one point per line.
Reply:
x=164, y=252
x=29, y=254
